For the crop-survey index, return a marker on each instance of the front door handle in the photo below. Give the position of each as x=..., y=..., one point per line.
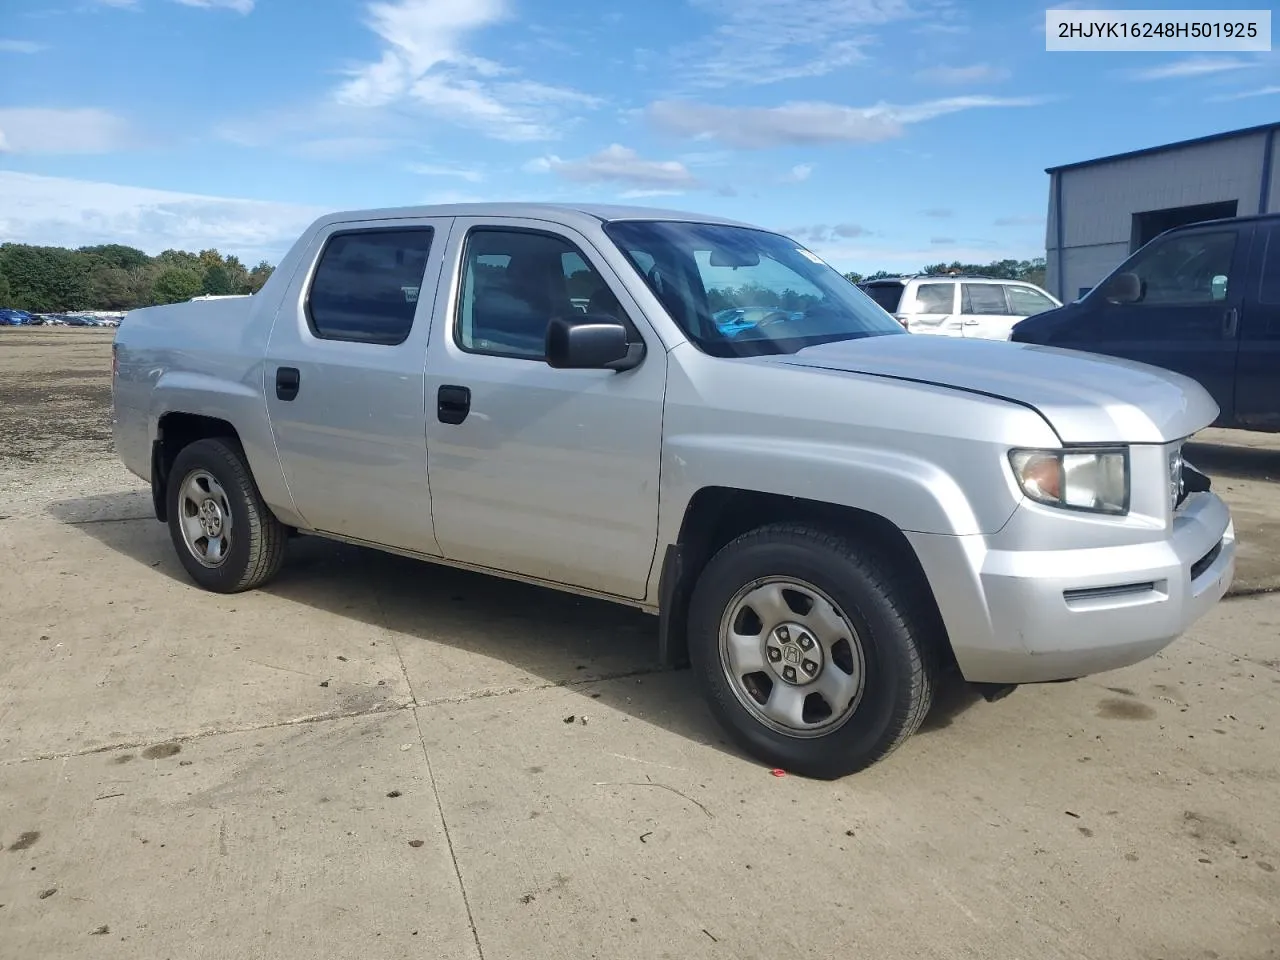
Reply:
x=288, y=380
x=1230, y=321
x=453, y=403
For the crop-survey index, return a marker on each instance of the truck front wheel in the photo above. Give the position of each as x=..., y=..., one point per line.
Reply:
x=811, y=650
x=227, y=539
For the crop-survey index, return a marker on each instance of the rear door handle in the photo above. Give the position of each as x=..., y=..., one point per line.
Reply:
x=288, y=380
x=453, y=403
x=1230, y=321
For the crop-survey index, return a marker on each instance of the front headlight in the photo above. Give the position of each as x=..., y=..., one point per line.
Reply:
x=1092, y=480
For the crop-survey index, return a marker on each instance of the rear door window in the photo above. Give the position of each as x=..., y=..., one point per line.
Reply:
x=366, y=285
x=983, y=299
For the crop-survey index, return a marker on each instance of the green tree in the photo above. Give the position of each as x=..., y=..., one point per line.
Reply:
x=217, y=280
x=117, y=255
x=258, y=276
x=175, y=284
x=45, y=278
x=112, y=288
x=117, y=277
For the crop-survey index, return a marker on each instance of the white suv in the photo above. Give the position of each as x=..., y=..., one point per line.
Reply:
x=951, y=306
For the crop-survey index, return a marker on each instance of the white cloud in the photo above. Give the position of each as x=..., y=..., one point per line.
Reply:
x=21, y=46
x=47, y=130
x=1246, y=94
x=976, y=73
x=425, y=64
x=239, y=6
x=439, y=170
x=798, y=174
x=341, y=148
x=455, y=196
x=647, y=194
x=63, y=212
x=1022, y=221
x=808, y=122
x=821, y=233
x=618, y=164
x=766, y=41
x=1192, y=67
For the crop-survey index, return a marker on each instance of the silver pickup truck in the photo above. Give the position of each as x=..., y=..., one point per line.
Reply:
x=824, y=512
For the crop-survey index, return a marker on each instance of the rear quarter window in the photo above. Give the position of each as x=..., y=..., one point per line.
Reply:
x=936, y=298
x=887, y=295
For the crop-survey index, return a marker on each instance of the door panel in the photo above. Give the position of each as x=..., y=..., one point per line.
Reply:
x=931, y=308
x=1186, y=318
x=536, y=471
x=1258, y=367
x=345, y=382
x=984, y=311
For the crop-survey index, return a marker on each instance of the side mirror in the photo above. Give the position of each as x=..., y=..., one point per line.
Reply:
x=593, y=342
x=1218, y=287
x=1124, y=288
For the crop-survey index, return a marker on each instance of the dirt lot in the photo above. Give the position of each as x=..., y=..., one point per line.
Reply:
x=376, y=758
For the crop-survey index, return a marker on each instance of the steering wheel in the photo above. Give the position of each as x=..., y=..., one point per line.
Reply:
x=772, y=317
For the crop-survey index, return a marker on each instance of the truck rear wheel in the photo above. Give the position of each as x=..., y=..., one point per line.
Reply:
x=811, y=650
x=227, y=539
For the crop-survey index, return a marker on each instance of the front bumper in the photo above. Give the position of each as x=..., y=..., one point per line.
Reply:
x=1019, y=616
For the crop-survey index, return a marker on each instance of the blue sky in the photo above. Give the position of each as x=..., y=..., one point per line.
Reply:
x=882, y=133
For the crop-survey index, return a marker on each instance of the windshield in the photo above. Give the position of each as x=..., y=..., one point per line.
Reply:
x=741, y=292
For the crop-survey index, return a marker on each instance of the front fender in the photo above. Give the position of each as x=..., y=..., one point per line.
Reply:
x=914, y=494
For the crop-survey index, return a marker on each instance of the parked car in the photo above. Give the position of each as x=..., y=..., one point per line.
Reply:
x=1202, y=300
x=824, y=513
x=975, y=307
x=15, y=318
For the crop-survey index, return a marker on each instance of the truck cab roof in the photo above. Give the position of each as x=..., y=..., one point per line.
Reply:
x=564, y=213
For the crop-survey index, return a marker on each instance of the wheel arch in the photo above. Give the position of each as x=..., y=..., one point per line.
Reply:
x=716, y=515
x=174, y=431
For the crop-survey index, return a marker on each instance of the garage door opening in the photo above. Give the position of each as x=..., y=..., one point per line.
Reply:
x=1151, y=223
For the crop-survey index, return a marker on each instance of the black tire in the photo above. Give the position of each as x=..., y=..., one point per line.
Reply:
x=257, y=539
x=899, y=639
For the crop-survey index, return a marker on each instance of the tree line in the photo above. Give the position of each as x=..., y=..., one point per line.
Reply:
x=117, y=277
x=1029, y=271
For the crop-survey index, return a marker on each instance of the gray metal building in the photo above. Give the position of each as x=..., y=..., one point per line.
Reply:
x=1102, y=210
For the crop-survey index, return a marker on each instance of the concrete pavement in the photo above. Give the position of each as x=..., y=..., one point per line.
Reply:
x=375, y=758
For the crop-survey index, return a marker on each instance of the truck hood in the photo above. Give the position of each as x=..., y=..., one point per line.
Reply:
x=1085, y=397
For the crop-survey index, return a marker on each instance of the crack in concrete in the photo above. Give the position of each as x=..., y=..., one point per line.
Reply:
x=549, y=685
x=207, y=734
x=448, y=836
x=388, y=707
x=84, y=523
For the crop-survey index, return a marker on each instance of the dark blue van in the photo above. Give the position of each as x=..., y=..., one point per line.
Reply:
x=1202, y=300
